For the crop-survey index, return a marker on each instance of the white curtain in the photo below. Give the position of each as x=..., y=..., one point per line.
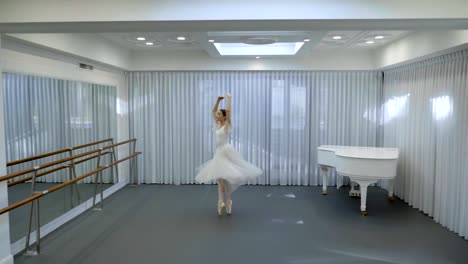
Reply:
x=426, y=116
x=279, y=119
x=44, y=114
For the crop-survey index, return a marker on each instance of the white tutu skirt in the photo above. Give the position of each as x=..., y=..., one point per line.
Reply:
x=228, y=165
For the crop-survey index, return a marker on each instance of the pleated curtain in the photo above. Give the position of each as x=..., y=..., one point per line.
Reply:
x=279, y=120
x=426, y=117
x=45, y=114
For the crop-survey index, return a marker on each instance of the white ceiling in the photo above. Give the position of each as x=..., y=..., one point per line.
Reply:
x=319, y=40
x=161, y=40
x=358, y=39
x=85, y=16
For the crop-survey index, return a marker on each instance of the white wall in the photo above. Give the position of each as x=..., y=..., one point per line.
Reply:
x=5, y=255
x=200, y=60
x=88, y=46
x=162, y=10
x=419, y=46
x=34, y=61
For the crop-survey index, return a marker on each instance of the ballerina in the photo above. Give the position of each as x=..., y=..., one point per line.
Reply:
x=227, y=167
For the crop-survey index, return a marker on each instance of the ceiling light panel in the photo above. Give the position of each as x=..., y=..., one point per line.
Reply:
x=240, y=49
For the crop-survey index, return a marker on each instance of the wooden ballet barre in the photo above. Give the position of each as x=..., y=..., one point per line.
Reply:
x=16, y=174
x=16, y=162
x=91, y=144
x=62, y=185
x=45, y=155
x=46, y=165
x=38, y=175
x=120, y=143
x=93, y=157
x=56, y=169
x=70, y=161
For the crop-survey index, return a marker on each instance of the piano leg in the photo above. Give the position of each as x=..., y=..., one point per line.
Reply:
x=324, y=171
x=363, y=187
x=391, y=198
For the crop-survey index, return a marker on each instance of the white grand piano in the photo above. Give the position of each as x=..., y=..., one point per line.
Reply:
x=363, y=165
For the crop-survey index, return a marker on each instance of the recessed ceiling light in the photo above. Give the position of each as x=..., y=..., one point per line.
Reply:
x=306, y=40
x=141, y=38
x=370, y=42
x=149, y=43
x=211, y=40
x=181, y=38
x=379, y=37
x=337, y=37
x=258, y=57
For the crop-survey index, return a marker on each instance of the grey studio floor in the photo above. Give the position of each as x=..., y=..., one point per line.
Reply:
x=178, y=224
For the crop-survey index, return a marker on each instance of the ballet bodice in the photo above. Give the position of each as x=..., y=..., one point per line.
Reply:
x=222, y=136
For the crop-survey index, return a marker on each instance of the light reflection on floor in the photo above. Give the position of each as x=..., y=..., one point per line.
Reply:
x=284, y=221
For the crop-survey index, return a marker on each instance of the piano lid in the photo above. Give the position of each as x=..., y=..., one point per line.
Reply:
x=362, y=152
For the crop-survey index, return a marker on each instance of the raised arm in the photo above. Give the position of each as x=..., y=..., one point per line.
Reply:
x=215, y=107
x=228, y=109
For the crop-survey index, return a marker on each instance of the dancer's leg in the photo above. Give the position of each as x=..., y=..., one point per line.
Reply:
x=227, y=191
x=220, y=190
x=220, y=196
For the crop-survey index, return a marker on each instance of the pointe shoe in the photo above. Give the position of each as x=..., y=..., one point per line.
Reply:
x=229, y=207
x=220, y=207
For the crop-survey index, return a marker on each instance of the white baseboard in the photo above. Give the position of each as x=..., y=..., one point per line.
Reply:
x=7, y=260
x=19, y=245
